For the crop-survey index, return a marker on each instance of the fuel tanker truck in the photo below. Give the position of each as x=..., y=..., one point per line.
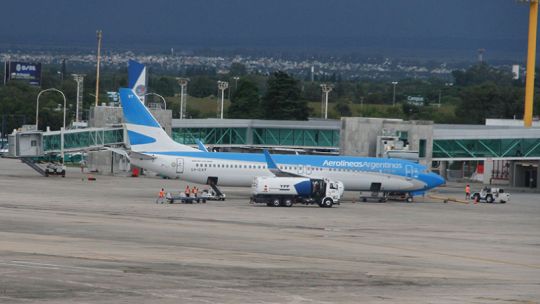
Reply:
x=286, y=191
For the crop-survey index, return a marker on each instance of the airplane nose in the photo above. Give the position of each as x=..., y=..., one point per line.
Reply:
x=436, y=180
x=433, y=180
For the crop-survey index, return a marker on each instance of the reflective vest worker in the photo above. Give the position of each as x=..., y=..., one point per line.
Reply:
x=194, y=191
x=161, y=197
x=467, y=192
x=187, y=191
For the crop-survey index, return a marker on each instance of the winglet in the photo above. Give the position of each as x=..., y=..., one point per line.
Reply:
x=201, y=146
x=271, y=164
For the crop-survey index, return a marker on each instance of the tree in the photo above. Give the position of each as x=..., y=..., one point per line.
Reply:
x=482, y=73
x=202, y=86
x=237, y=69
x=282, y=99
x=489, y=101
x=245, y=101
x=343, y=108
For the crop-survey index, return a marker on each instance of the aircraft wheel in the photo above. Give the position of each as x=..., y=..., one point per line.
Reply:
x=287, y=202
x=276, y=202
x=409, y=199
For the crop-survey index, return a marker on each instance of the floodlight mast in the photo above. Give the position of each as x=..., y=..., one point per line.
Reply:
x=79, y=79
x=183, y=84
x=326, y=89
x=395, y=83
x=99, y=35
x=222, y=86
x=531, y=62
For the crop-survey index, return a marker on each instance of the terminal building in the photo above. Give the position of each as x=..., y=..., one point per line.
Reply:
x=500, y=152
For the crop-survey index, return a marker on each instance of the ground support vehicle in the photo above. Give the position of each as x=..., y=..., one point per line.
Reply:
x=55, y=169
x=491, y=195
x=286, y=191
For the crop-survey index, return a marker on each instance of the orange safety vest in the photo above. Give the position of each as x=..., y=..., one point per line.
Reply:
x=467, y=189
x=161, y=194
x=187, y=190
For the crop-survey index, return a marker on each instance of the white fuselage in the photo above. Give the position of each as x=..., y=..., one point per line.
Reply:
x=241, y=173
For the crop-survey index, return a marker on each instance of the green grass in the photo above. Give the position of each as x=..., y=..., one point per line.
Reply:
x=207, y=108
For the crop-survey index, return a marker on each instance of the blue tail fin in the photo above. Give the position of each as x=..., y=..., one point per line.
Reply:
x=144, y=132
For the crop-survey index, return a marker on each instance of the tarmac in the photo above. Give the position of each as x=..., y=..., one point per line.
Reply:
x=70, y=240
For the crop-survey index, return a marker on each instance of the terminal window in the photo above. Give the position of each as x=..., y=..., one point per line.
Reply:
x=422, y=148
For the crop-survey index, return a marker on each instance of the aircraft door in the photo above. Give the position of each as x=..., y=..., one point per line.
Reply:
x=179, y=165
x=409, y=171
x=300, y=169
x=308, y=170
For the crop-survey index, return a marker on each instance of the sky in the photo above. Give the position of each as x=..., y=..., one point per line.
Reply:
x=496, y=25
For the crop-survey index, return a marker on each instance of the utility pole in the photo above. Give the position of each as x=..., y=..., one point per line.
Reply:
x=222, y=86
x=326, y=89
x=79, y=79
x=183, y=104
x=99, y=36
x=531, y=63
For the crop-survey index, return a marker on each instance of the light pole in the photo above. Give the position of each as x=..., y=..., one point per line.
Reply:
x=394, y=96
x=326, y=89
x=162, y=98
x=79, y=78
x=222, y=86
x=64, y=121
x=183, y=84
x=447, y=84
x=236, y=82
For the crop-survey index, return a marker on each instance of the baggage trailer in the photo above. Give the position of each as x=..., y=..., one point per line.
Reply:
x=286, y=191
x=205, y=195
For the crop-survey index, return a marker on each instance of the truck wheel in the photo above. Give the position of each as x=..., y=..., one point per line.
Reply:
x=276, y=202
x=63, y=173
x=328, y=203
x=364, y=199
x=288, y=202
x=409, y=199
x=489, y=199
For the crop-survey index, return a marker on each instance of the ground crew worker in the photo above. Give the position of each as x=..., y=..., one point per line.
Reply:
x=194, y=191
x=467, y=192
x=187, y=191
x=161, y=197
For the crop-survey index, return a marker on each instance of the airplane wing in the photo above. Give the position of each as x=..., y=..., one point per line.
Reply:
x=201, y=146
x=275, y=169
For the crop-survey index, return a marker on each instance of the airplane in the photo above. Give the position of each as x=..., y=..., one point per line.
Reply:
x=154, y=150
